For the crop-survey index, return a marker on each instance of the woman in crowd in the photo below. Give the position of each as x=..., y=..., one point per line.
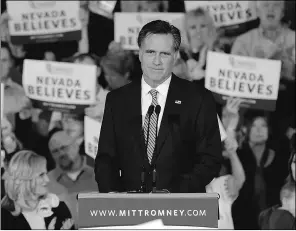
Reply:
x=271, y=40
x=199, y=36
x=28, y=204
x=262, y=185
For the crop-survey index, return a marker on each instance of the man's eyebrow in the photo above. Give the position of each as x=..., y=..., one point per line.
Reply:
x=161, y=52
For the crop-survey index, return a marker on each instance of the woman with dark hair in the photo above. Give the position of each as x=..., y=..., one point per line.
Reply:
x=262, y=186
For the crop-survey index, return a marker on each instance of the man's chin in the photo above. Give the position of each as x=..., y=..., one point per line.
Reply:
x=66, y=167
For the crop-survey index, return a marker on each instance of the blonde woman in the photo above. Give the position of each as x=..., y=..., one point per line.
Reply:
x=198, y=37
x=27, y=203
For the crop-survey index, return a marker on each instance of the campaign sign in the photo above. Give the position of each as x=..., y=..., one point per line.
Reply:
x=128, y=25
x=59, y=86
x=104, y=8
x=236, y=17
x=253, y=79
x=226, y=13
x=92, y=129
x=43, y=21
x=128, y=209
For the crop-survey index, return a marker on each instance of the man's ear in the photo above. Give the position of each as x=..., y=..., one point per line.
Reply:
x=140, y=54
x=176, y=55
x=99, y=71
x=126, y=75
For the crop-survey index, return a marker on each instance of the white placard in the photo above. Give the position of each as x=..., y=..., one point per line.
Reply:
x=92, y=129
x=128, y=25
x=57, y=84
x=38, y=20
x=244, y=77
x=104, y=8
x=226, y=13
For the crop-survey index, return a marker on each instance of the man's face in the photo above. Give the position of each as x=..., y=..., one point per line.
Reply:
x=66, y=155
x=157, y=57
x=270, y=13
x=73, y=127
x=146, y=6
x=5, y=63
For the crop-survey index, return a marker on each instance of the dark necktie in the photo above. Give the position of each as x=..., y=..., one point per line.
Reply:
x=152, y=128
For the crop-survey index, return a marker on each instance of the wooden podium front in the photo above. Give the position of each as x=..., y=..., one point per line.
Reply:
x=105, y=210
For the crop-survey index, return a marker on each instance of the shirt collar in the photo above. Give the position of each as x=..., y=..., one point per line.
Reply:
x=61, y=173
x=162, y=88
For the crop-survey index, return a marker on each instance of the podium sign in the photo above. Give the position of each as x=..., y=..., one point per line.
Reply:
x=123, y=209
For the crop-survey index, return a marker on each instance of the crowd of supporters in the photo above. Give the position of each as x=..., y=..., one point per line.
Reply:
x=43, y=156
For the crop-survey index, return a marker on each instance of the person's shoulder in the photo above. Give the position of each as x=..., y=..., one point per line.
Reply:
x=281, y=219
x=5, y=213
x=290, y=36
x=289, y=32
x=8, y=220
x=247, y=35
x=123, y=91
x=62, y=209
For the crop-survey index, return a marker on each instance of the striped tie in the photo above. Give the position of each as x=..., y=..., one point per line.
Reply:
x=152, y=128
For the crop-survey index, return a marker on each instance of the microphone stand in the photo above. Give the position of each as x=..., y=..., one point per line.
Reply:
x=143, y=186
x=154, y=173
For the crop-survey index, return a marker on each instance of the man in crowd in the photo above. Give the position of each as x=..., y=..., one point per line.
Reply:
x=177, y=138
x=71, y=172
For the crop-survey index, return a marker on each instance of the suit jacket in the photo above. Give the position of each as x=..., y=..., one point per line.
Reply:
x=188, y=149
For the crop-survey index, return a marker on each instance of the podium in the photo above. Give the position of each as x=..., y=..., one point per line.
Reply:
x=118, y=210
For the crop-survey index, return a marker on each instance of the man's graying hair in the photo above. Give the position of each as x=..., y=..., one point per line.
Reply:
x=160, y=27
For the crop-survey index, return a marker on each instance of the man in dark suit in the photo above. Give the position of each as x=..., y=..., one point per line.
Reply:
x=179, y=140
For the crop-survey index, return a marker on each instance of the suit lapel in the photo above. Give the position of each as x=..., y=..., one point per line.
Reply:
x=135, y=123
x=171, y=114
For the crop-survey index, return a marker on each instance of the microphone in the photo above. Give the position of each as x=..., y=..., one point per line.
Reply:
x=143, y=187
x=154, y=173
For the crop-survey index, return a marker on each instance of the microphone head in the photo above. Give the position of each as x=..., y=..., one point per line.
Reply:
x=150, y=110
x=157, y=109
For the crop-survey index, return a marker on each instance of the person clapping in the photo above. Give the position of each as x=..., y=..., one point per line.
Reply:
x=27, y=203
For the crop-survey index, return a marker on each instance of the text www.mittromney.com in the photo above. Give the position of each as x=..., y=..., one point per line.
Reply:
x=147, y=213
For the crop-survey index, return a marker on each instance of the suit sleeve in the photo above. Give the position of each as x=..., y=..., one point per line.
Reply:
x=106, y=163
x=207, y=156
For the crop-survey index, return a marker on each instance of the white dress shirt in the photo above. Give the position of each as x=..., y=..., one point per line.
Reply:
x=146, y=98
